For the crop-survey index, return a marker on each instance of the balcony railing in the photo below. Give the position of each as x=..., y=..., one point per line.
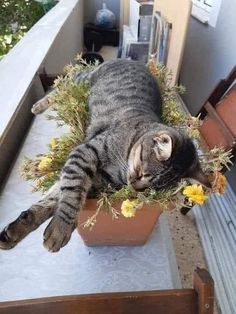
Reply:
x=50, y=44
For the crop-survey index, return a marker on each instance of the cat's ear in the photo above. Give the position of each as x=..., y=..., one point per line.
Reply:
x=164, y=146
x=200, y=176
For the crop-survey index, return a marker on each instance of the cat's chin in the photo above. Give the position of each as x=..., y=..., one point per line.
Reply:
x=140, y=189
x=137, y=188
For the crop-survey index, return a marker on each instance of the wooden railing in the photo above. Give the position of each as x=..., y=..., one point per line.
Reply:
x=198, y=300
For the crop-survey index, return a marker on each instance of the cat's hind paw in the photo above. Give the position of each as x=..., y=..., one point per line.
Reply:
x=40, y=106
x=57, y=234
x=16, y=230
x=6, y=241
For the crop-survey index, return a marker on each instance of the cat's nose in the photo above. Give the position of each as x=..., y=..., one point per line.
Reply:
x=132, y=179
x=136, y=184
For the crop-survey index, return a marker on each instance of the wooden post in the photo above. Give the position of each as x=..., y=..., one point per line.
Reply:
x=204, y=286
x=177, y=13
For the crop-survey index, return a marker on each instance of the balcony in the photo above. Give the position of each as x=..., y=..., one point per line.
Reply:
x=29, y=271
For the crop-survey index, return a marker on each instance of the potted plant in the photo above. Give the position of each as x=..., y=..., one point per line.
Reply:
x=120, y=217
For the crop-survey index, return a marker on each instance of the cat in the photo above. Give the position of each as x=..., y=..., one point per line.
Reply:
x=125, y=143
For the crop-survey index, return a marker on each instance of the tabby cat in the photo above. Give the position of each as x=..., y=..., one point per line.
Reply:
x=125, y=143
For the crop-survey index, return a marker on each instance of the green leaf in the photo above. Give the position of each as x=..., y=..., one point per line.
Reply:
x=8, y=39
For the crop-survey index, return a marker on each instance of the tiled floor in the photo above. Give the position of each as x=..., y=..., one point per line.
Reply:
x=29, y=271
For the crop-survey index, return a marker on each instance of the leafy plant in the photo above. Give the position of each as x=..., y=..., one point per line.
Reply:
x=70, y=107
x=17, y=17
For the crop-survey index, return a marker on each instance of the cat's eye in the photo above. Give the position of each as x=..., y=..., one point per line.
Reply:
x=165, y=140
x=146, y=175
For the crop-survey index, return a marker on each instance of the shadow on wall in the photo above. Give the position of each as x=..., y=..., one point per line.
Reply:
x=209, y=55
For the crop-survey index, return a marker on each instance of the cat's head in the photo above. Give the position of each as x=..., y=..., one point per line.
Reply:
x=161, y=159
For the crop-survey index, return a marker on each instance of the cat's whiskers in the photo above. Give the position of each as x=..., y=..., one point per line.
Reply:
x=121, y=161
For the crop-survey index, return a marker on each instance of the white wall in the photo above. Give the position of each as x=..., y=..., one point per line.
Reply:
x=210, y=54
x=68, y=43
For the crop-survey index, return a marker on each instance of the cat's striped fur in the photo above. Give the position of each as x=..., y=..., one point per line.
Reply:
x=125, y=144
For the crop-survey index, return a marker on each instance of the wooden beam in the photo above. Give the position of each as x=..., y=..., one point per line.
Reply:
x=223, y=126
x=219, y=91
x=177, y=301
x=151, y=302
x=204, y=285
x=178, y=14
x=222, y=87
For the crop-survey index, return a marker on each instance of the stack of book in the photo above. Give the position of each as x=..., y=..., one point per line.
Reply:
x=147, y=35
x=136, y=35
x=160, y=38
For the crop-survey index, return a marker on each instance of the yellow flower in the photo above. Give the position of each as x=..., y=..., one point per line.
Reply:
x=175, y=116
x=53, y=143
x=195, y=193
x=45, y=163
x=153, y=67
x=128, y=208
x=51, y=174
x=219, y=183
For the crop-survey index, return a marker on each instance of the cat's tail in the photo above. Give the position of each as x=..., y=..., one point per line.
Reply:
x=92, y=74
x=44, y=103
x=29, y=220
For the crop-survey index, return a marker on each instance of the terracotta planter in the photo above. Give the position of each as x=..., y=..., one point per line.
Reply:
x=122, y=231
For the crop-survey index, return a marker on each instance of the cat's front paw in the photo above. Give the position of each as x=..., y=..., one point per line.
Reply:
x=57, y=234
x=17, y=230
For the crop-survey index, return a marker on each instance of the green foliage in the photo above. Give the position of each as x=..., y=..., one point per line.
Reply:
x=172, y=114
x=70, y=107
x=44, y=169
x=70, y=101
x=17, y=17
x=149, y=196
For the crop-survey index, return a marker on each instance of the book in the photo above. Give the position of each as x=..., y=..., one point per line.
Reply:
x=160, y=38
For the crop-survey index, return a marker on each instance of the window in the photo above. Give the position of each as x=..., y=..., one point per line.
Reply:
x=206, y=11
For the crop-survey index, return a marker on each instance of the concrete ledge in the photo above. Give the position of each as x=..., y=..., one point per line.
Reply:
x=51, y=43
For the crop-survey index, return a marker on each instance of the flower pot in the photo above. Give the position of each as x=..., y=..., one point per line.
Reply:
x=122, y=231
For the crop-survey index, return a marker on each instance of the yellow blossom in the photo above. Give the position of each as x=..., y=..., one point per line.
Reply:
x=219, y=183
x=195, y=194
x=152, y=67
x=128, y=208
x=45, y=163
x=51, y=174
x=53, y=143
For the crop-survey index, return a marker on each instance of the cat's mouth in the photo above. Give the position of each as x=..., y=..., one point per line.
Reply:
x=137, y=183
x=137, y=188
